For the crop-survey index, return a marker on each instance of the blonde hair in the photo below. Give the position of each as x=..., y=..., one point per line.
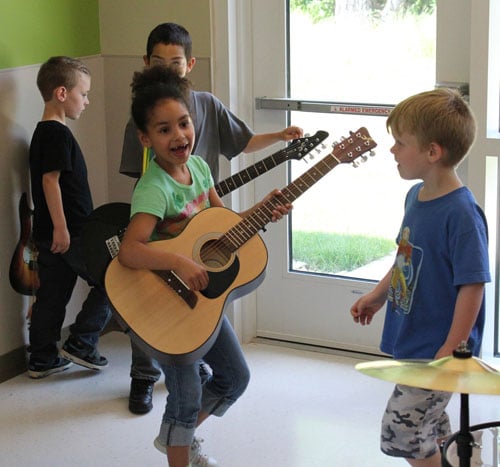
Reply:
x=59, y=71
x=439, y=116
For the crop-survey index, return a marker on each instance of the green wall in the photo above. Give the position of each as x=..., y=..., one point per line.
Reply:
x=33, y=30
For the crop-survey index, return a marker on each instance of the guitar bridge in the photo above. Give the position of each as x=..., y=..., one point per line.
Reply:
x=179, y=287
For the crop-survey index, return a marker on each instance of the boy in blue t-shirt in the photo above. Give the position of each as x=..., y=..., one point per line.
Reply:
x=435, y=290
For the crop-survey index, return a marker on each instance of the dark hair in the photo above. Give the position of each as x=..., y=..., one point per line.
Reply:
x=59, y=71
x=153, y=85
x=170, y=33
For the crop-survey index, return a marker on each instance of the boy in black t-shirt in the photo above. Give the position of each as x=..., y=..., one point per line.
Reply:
x=62, y=201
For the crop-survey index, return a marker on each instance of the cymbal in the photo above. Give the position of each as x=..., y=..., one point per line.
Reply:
x=464, y=375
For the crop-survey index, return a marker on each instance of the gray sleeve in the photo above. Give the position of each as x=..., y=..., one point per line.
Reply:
x=131, y=163
x=234, y=133
x=218, y=130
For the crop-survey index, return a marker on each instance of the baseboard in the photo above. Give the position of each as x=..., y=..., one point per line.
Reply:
x=14, y=363
x=320, y=349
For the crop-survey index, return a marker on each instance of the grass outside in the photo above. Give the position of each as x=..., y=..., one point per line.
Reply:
x=331, y=253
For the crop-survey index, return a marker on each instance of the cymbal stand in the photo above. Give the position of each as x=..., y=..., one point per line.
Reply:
x=465, y=440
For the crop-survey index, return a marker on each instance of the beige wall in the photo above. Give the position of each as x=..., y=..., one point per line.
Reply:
x=124, y=28
x=123, y=43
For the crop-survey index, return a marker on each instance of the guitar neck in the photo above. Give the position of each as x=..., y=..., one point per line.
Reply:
x=246, y=175
x=296, y=150
x=344, y=152
x=259, y=218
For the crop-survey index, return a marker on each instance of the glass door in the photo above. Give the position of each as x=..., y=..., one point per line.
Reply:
x=350, y=63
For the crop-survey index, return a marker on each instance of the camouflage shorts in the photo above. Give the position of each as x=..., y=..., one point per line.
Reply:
x=413, y=420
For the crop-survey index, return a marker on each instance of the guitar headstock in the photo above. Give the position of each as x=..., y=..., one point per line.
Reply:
x=300, y=147
x=356, y=145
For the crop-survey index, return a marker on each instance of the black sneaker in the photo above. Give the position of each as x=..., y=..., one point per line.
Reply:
x=140, y=400
x=37, y=370
x=77, y=353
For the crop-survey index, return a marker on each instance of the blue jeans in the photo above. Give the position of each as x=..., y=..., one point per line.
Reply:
x=187, y=396
x=143, y=366
x=58, y=274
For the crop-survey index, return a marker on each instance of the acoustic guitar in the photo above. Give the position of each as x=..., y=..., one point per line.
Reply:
x=177, y=325
x=23, y=271
x=106, y=225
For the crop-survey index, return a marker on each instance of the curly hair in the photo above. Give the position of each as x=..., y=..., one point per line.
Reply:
x=153, y=85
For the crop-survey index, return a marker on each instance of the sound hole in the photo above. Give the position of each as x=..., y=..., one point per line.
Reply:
x=222, y=266
x=214, y=255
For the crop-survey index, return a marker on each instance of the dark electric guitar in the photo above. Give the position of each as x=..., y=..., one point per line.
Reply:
x=104, y=229
x=23, y=271
x=297, y=149
x=177, y=325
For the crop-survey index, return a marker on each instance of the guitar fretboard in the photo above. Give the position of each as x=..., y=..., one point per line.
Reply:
x=347, y=151
x=296, y=150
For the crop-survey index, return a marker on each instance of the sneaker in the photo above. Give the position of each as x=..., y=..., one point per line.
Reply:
x=77, y=353
x=37, y=370
x=140, y=400
x=196, y=457
x=205, y=372
x=451, y=455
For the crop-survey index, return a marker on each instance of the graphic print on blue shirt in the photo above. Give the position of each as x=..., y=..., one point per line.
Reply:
x=405, y=273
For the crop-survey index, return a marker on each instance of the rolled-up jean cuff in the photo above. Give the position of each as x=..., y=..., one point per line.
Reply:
x=217, y=408
x=176, y=435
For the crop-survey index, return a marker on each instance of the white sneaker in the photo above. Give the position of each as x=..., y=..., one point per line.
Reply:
x=196, y=457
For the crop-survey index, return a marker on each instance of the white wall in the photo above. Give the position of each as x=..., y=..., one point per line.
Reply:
x=20, y=106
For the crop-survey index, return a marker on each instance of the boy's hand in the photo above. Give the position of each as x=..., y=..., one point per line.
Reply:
x=60, y=241
x=364, y=308
x=292, y=132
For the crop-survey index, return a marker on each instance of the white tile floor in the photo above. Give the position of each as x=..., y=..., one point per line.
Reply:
x=302, y=409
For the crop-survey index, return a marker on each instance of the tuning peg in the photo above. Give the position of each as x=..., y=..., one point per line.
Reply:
x=355, y=164
x=364, y=157
x=372, y=153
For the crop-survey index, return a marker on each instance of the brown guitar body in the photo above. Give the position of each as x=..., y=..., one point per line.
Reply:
x=158, y=318
x=23, y=271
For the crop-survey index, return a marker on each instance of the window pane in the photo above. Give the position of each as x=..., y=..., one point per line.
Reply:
x=347, y=224
x=375, y=56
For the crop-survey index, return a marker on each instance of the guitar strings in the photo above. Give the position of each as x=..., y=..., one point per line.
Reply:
x=239, y=234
